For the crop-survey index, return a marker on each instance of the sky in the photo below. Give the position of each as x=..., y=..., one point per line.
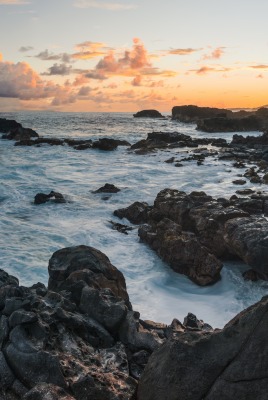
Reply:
x=128, y=55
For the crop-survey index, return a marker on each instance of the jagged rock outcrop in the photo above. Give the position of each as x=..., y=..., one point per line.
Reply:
x=14, y=130
x=192, y=233
x=226, y=364
x=148, y=114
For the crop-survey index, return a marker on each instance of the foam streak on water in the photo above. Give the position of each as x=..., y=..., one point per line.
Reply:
x=29, y=234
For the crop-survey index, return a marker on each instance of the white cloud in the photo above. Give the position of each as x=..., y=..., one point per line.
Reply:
x=103, y=5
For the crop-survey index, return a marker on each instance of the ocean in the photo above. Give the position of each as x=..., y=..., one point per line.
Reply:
x=29, y=234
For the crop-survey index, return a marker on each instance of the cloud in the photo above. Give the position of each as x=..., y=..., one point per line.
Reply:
x=215, y=54
x=260, y=66
x=136, y=81
x=84, y=91
x=24, y=49
x=260, y=76
x=92, y=74
x=13, y=2
x=205, y=69
x=103, y=5
x=20, y=81
x=134, y=59
x=59, y=69
x=183, y=52
x=88, y=50
x=1, y=57
x=49, y=56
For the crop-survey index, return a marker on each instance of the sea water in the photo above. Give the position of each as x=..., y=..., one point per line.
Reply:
x=29, y=234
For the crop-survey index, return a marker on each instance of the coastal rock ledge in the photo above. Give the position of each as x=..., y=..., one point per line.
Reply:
x=80, y=339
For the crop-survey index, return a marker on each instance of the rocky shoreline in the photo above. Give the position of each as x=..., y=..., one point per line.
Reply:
x=79, y=337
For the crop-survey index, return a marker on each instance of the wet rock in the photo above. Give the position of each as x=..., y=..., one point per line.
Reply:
x=120, y=227
x=14, y=131
x=108, y=144
x=225, y=364
x=239, y=182
x=250, y=141
x=250, y=275
x=148, y=114
x=182, y=251
x=136, y=213
x=20, y=317
x=55, y=197
x=107, y=188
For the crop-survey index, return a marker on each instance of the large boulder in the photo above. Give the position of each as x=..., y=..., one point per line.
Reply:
x=226, y=364
x=14, y=131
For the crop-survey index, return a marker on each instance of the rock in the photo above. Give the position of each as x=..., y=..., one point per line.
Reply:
x=148, y=114
x=239, y=182
x=182, y=251
x=136, y=213
x=107, y=188
x=109, y=144
x=191, y=113
x=250, y=275
x=104, y=307
x=14, y=131
x=250, y=141
x=55, y=197
x=20, y=317
x=219, y=124
x=65, y=264
x=6, y=375
x=225, y=364
x=47, y=391
x=120, y=227
x=247, y=238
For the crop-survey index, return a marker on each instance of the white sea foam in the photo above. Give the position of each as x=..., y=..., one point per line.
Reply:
x=29, y=234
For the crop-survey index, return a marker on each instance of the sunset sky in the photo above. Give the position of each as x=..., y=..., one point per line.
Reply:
x=127, y=55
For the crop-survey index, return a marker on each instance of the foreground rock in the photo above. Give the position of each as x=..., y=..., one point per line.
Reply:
x=107, y=188
x=79, y=339
x=148, y=114
x=227, y=364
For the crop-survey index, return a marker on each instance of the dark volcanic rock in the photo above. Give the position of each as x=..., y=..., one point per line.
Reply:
x=56, y=197
x=191, y=231
x=182, y=251
x=191, y=113
x=121, y=227
x=107, y=188
x=109, y=144
x=148, y=114
x=135, y=213
x=14, y=131
x=227, y=364
x=219, y=124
